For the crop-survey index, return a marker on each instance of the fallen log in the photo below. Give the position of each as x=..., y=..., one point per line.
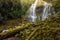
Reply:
x=13, y=31
x=29, y=37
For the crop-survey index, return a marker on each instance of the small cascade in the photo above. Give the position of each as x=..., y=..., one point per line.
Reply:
x=47, y=11
x=32, y=14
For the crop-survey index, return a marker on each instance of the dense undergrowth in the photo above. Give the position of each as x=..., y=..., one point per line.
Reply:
x=45, y=30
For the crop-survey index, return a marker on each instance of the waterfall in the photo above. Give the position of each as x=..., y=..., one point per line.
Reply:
x=47, y=10
x=32, y=14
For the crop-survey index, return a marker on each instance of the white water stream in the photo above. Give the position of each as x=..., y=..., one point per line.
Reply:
x=46, y=11
x=33, y=11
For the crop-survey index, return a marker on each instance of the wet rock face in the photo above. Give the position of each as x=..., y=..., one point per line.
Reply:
x=39, y=8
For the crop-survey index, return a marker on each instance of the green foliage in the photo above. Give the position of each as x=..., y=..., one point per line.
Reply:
x=57, y=15
x=56, y=5
x=35, y=31
x=9, y=10
x=17, y=35
x=12, y=9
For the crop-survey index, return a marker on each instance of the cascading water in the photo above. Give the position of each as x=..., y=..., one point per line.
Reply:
x=47, y=10
x=32, y=14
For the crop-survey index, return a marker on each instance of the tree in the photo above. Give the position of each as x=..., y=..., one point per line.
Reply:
x=9, y=9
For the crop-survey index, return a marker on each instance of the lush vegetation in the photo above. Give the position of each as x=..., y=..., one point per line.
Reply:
x=12, y=9
x=24, y=30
